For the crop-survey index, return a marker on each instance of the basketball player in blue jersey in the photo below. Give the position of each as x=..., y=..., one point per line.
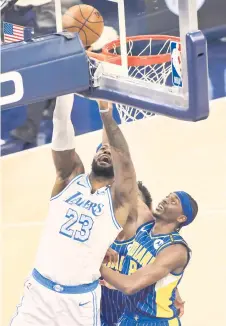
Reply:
x=85, y=216
x=155, y=264
x=113, y=301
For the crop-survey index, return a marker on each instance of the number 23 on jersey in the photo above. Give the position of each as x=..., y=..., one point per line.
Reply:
x=74, y=221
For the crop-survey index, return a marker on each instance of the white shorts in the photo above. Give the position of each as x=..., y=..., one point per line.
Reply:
x=41, y=306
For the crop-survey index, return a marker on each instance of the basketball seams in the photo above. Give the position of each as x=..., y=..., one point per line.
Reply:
x=75, y=26
x=83, y=25
x=92, y=30
x=99, y=21
x=82, y=30
x=87, y=19
x=75, y=21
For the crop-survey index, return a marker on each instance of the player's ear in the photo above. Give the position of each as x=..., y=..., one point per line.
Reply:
x=182, y=219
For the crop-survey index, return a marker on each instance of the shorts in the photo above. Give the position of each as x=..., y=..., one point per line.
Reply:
x=135, y=320
x=104, y=323
x=42, y=306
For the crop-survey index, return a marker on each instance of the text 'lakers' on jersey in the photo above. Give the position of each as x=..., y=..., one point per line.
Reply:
x=80, y=227
x=112, y=301
x=155, y=300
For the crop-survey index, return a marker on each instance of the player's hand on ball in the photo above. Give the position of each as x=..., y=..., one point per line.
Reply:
x=110, y=257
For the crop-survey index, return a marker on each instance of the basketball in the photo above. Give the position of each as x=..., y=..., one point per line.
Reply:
x=85, y=20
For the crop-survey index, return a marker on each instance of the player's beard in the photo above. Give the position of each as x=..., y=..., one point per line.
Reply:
x=101, y=171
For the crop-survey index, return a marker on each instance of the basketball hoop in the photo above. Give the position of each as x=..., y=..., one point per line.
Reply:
x=149, y=60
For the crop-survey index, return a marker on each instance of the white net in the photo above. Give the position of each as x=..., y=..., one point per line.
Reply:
x=155, y=74
x=129, y=113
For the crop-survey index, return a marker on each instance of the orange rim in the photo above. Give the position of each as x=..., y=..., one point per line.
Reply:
x=145, y=60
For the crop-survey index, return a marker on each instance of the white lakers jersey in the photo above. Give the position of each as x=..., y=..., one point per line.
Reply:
x=80, y=227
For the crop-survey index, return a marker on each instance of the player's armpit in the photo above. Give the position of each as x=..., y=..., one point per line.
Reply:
x=170, y=259
x=124, y=189
x=68, y=165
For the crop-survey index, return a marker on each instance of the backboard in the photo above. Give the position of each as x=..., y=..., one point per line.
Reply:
x=150, y=70
x=149, y=66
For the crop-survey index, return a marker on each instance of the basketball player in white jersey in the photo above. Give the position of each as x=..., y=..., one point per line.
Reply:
x=85, y=216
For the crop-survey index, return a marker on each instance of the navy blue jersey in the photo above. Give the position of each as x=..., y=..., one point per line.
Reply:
x=158, y=299
x=113, y=301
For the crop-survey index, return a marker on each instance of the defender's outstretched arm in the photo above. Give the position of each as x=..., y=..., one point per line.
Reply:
x=67, y=162
x=124, y=188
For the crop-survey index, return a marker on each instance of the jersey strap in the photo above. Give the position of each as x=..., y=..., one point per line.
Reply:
x=146, y=226
x=175, y=238
x=114, y=220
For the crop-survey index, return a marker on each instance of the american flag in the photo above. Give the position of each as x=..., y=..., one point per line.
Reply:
x=16, y=33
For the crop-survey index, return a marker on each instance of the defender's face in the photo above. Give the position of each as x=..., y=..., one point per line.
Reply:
x=169, y=209
x=103, y=157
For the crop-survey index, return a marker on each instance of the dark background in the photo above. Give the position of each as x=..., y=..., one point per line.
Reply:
x=142, y=17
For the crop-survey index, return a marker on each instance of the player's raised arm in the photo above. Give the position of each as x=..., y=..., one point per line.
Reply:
x=124, y=188
x=172, y=259
x=104, y=136
x=104, y=139
x=67, y=162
